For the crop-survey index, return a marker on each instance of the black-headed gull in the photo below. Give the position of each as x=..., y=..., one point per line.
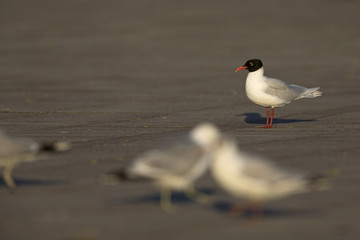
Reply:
x=16, y=150
x=257, y=179
x=175, y=165
x=271, y=92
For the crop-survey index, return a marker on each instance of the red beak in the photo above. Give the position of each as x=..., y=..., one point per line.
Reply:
x=240, y=68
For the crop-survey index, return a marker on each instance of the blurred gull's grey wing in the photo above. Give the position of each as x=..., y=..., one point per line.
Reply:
x=283, y=90
x=263, y=170
x=11, y=145
x=177, y=158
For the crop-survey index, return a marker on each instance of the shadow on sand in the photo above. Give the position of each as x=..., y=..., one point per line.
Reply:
x=255, y=118
x=221, y=206
x=225, y=208
x=29, y=182
x=176, y=197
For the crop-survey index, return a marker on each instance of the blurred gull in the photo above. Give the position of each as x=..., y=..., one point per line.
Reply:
x=16, y=150
x=176, y=165
x=257, y=179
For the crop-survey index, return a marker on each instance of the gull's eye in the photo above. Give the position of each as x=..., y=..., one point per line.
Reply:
x=251, y=64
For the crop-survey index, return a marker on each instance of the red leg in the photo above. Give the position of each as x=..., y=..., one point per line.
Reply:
x=267, y=116
x=238, y=210
x=257, y=212
x=272, y=116
x=267, y=119
x=256, y=208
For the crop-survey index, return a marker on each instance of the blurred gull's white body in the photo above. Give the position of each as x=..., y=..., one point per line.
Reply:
x=16, y=150
x=252, y=177
x=256, y=179
x=176, y=165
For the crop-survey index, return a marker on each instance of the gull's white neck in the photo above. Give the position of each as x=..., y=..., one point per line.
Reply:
x=255, y=86
x=257, y=74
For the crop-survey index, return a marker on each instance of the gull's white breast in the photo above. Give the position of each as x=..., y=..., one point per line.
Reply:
x=255, y=90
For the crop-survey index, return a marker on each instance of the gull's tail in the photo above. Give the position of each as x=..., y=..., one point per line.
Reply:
x=318, y=182
x=55, y=147
x=115, y=177
x=321, y=181
x=310, y=93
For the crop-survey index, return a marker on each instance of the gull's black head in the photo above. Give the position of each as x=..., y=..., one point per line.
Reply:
x=251, y=65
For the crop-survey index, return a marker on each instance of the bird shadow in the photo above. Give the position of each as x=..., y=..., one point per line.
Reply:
x=221, y=206
x=255, y=118
x=31, y=182
x=176, y=197
x=225, y=207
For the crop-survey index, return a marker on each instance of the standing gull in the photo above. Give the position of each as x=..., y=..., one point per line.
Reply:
x=16, y=150
x=257, y=179
x=176, y=165
x=271, y=92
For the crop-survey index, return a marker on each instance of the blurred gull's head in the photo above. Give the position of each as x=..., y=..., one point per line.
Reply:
x=206, y=135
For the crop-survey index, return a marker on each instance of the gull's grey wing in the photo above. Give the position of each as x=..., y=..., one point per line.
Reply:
x=283, y=90
x=178, y=157
x=10, y=145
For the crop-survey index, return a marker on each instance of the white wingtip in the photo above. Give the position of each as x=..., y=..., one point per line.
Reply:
x=317, y=94
x=310, y=93
x=62, y=146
